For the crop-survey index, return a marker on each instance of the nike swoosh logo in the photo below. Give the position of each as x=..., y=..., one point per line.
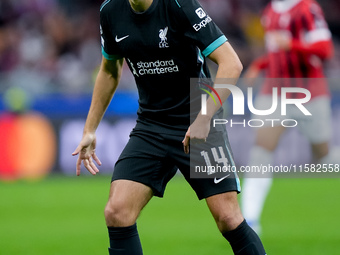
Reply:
x=216, y=181
x=121, y=39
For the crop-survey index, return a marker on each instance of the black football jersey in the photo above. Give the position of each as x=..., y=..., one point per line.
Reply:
x=164, y=47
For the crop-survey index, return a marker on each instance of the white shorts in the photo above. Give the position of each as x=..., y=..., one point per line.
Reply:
x=317, y=127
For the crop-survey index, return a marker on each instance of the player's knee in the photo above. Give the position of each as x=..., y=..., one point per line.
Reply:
x=320, y=150
x=228, y=222
x=118, y=215
x=226, y=211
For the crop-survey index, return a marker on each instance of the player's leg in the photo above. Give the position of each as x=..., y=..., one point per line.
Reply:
x=126, y=200
x=323, y=153
x=141, y=171
x=227, y=214
x=331, y=158
x=220, y=191
x=255, y=188
x=268, y=137
x=320, y=150
x=226, y=211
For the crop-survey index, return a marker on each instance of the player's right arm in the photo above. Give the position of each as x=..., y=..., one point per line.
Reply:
x=105, y=86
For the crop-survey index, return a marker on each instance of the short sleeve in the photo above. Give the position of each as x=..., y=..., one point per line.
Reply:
x=199, y=26
x=108, y=44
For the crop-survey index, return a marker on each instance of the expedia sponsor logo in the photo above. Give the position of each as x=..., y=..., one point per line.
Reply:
x=200, y=13
x=157, y=67
x=202, y=24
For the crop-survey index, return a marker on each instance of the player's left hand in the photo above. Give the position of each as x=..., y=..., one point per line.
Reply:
x=86, y=150
x=197, y=133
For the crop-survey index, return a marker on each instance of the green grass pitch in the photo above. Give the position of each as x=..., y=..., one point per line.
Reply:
x=64, y=216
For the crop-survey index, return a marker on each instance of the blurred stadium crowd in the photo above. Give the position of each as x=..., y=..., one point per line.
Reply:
x=54, y=45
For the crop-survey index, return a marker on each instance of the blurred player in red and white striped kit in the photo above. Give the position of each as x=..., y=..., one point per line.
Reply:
x=298, y=41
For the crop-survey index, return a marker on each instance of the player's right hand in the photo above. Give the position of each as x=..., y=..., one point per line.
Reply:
x=86, y=151
x=197, y=132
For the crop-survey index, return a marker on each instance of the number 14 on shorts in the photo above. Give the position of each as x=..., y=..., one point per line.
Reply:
x=221, y=163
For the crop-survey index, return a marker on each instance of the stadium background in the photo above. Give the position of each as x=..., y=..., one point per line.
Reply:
x=49, y=55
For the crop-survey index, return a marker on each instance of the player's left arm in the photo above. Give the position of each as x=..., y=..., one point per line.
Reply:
x=323, y=49
x=229, y=70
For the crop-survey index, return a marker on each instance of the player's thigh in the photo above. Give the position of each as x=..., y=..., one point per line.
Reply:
x=320, y=150
x=131, y=194
x=269, y=137
x=126, y=199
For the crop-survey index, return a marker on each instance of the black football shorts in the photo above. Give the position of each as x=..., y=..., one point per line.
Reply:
x=153, y=159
